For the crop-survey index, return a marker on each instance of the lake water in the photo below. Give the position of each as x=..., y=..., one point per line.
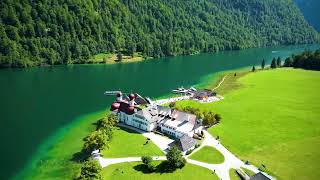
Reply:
x=36, y=102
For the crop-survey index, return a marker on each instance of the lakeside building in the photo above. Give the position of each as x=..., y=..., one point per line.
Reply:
x=141, y=114
x=204, y=94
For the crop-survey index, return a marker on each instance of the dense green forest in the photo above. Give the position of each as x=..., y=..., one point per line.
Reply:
x=310, y=10
x=306, y=60
x=71, y=31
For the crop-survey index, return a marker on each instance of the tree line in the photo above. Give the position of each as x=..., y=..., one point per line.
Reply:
x=97, y=140
x=309, y=60
x=306, y=60
x=49, y=32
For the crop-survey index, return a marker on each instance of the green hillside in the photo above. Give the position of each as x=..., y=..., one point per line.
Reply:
x=71, y=31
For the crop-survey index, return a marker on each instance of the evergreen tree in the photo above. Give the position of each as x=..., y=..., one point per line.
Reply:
x=263, y=64
x=288, y=62
x=253, y=69
x=278, y=62
x=273, y=64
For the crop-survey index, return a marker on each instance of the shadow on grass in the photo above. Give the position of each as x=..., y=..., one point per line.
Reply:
x=128, y=130
x=161, y=168
x=79, y=156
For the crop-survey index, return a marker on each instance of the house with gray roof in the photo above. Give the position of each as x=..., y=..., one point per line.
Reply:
x=185, y=143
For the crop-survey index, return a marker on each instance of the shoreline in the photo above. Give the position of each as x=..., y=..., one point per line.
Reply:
x=142, y=59
x=27, y=172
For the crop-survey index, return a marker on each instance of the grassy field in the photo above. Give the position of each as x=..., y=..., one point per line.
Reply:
x=137, y=171
x=56, y=161
x=248, y=171
x=273, y=119
x=209, y=155
x=111, y=58
x=233, y=175
x=126, y=142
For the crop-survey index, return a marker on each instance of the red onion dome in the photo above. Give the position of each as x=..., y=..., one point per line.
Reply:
x=115, y=106
x=132, y=96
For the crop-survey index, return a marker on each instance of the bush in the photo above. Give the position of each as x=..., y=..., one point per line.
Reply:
x=172, y=104
x=152, y=167
x=91, y=169
x=146, y=160
x=189, y=151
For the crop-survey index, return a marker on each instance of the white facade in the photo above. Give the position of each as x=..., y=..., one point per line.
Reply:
x=162, y=118
x=171, y=131
x=136, y=121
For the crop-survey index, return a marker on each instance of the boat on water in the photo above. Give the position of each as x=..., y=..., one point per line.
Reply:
x=182, y=90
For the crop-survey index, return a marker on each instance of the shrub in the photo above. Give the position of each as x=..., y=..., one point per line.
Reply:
x=172, y=104
x=152, y=167
x=146, y=160
x=189, y=151
x=91, y=169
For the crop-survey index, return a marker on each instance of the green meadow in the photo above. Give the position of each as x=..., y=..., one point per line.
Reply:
x=137, y=171
x=128, y=143
x=209, y=155
x=272, y=118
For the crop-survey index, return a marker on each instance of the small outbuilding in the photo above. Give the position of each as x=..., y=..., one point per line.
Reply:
x=204, y=94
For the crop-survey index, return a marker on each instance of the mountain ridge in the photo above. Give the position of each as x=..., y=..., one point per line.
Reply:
x=72, y=31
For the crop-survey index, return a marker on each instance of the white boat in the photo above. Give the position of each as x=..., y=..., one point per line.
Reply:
x=193, y=89
x=180, y=90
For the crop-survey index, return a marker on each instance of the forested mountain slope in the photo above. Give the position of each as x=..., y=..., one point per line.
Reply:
x=70, y=31
x=310, y=10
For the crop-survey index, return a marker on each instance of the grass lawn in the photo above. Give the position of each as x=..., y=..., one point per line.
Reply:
x=273, y=119
x=248, y=171
x=234, y=175
x=111, y=58
x=55, y=162
x=209, y=155
x=137, y=171
x=126, y=142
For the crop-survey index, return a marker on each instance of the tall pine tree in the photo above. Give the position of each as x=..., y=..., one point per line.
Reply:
x=263, y=63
